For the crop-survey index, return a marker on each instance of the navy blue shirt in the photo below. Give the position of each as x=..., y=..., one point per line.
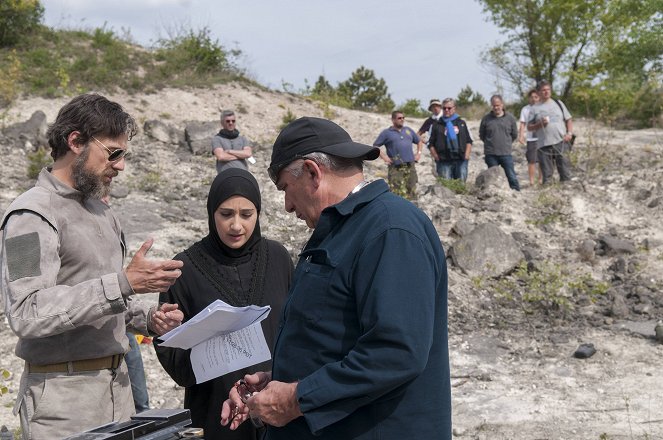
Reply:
x=398, y=143
x=364, y=329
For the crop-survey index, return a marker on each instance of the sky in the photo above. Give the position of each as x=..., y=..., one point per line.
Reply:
x=423, y=49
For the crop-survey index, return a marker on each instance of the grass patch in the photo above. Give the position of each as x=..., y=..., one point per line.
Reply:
x=548, y=287
x=456, y=185
x=5, y=375
x=552, y=207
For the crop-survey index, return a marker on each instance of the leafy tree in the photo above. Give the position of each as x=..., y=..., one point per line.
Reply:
x=322, y=87
x=366, y=92
x=323, y=91
x=574, y=41
x=412, y=107
x=17, y=19
x=468, y=97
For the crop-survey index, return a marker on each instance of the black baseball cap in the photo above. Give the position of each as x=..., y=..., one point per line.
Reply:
x=308, y=135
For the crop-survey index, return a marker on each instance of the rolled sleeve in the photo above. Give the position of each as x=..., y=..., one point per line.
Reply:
x=138, y=317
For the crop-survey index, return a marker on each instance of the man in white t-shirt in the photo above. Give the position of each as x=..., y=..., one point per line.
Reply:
x=554, y=131
x=526, y=137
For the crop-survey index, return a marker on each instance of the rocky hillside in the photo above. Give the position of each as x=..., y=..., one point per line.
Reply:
x=532, y=274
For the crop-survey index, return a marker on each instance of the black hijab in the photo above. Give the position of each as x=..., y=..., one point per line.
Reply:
x=228, y=183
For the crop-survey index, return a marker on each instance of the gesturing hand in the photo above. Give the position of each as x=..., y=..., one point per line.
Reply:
x=147, y=276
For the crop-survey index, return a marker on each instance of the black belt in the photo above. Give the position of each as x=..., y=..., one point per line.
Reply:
x=404, y=165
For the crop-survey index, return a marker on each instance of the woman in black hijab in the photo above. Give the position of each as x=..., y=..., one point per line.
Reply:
x=235, y=264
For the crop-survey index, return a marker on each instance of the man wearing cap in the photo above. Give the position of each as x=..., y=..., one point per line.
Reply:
x=398, y=140
x=435, y=107
x=362, y=350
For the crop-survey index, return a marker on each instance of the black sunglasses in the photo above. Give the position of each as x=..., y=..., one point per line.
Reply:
x=113, y=155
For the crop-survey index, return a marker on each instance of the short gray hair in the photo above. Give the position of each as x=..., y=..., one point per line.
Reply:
x=226, y=113
x=496, y=97
x=541, y=84
x=331, y=162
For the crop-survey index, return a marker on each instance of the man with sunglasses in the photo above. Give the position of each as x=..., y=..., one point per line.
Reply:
x=67, y=295
x=231, y=149
x=362, y=349
x=450, y=143
x=398, y=140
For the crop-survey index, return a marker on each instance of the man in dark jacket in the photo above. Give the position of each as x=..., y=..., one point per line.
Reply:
x=362, y=351
x=450, y=143
x=498, y=130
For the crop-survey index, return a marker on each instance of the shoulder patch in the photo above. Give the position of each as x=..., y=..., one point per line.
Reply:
x=23, y=254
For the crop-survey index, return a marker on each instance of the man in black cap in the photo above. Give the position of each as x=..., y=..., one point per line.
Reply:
x=362, y=350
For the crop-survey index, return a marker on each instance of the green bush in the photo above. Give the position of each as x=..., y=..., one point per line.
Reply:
x=193, y=51
x=5, y=375
x=547, y=287
x=18, y=18
x=456, y=185
x=59, y=62
x=552, y=207
x=412, y=107
x=36, y=161
x=625, y=101
x=287, y=118
x=9, y=79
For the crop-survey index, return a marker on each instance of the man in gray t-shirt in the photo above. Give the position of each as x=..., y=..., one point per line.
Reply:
x=554, y=130
x=230, y=149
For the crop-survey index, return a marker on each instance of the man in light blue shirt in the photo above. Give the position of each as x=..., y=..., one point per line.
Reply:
x=398, y=140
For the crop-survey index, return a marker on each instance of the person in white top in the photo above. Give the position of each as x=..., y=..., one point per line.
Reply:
x=529, y=137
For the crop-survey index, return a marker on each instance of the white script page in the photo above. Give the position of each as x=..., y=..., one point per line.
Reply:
x=230, y=352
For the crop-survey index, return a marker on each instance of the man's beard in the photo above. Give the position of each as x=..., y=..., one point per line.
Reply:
x=91, y=185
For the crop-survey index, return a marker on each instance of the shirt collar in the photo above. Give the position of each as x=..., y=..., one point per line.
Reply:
x=331, y=215
x=47, y=180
